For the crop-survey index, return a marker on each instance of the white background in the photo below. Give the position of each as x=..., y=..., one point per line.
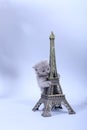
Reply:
x=25, y=27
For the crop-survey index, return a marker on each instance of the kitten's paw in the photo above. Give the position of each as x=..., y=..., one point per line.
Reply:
x=49, y=83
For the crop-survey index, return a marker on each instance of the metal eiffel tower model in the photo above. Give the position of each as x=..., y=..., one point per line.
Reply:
x=53, y=97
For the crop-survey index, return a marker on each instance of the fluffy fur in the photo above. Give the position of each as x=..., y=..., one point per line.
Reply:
x=42, y=70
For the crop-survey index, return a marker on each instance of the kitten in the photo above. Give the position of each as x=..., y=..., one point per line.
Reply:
x=42, y=70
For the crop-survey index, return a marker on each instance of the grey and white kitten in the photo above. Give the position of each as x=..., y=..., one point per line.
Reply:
x=42, y=70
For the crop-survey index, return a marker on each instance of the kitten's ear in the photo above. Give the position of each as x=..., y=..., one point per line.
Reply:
x=46, y=61
x=33, y=67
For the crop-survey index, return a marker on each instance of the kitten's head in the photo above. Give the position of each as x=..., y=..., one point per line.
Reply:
x=42, y=68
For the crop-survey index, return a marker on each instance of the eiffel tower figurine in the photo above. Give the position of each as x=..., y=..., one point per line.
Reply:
x=53, y=97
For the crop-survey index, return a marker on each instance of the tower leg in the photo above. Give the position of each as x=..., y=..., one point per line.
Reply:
x=47, y=108
x=69, y=108
x=60, y=89
x=36, y=107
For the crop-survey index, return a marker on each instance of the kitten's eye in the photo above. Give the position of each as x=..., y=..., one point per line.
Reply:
x=35, y=69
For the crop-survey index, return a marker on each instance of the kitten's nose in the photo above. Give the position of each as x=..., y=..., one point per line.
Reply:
x=47, y=72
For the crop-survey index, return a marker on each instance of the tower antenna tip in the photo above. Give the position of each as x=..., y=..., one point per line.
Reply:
x=52, y=36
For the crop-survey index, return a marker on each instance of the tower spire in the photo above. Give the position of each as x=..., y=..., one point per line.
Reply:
x=52, y=58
